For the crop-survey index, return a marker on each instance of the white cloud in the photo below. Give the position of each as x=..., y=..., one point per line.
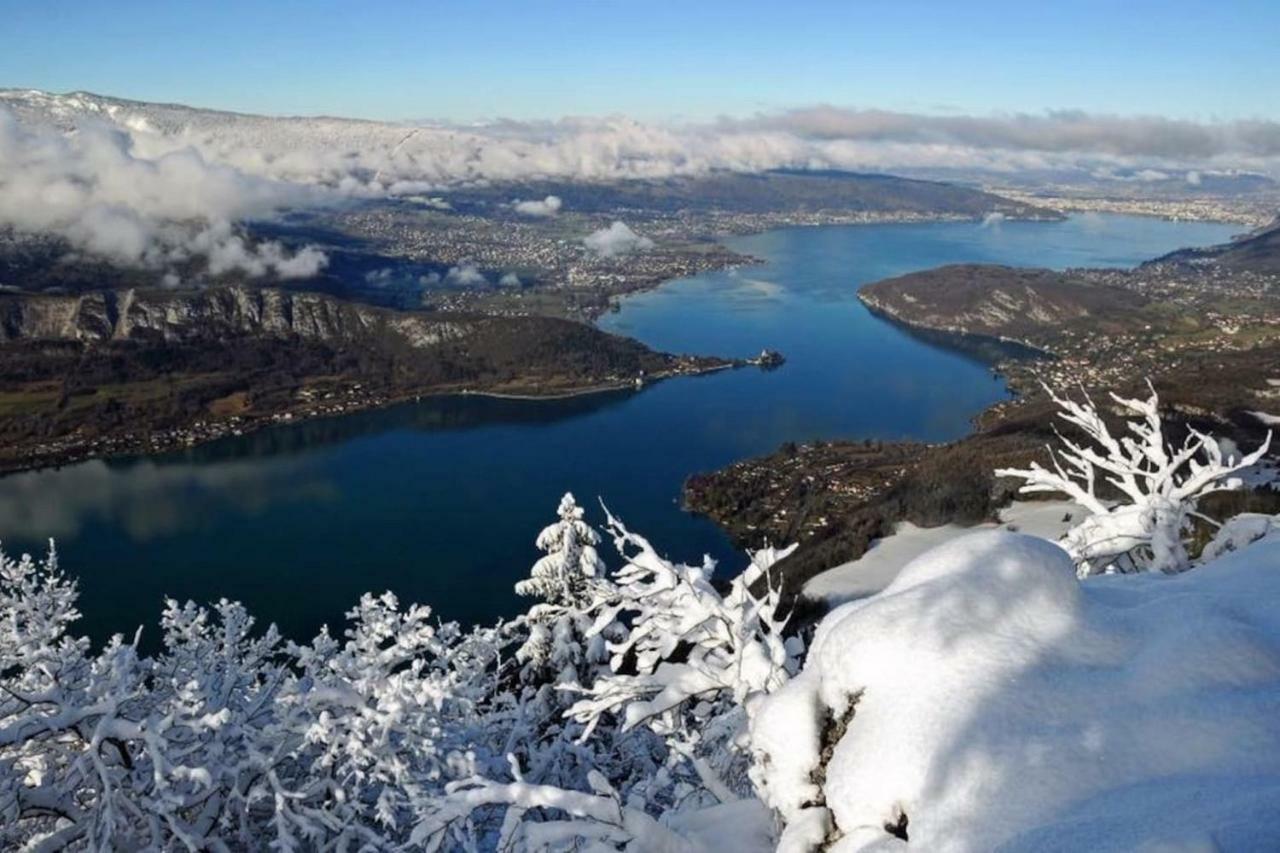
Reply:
x=509, y=280
x=465, y=275
x=411, y=191
x=617, y=239
x=548, y=206
x=1054, y=131
x=92, y=187
x=228, y=252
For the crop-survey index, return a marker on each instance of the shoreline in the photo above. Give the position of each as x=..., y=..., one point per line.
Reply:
x=1170, y=210
x=959, y=339
x=598, y=389
x=140, y=446
x=147, y=443
x=818, y=220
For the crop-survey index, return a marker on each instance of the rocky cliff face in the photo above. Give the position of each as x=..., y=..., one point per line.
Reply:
x=217, y=313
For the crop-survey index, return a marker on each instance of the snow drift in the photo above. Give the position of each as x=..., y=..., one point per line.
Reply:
x=988, y=700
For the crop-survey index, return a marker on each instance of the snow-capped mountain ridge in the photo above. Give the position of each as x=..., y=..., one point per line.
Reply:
x=168, y=116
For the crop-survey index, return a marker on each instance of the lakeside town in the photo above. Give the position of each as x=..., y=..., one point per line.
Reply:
x=507, y=265
x=1234, y=311
x=1252, y=211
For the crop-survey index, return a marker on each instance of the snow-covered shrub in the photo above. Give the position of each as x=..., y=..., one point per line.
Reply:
x=403, y=731
x=1237, y=532
x=692, y=660
x=989, y=700
x=230, y=738
x=1160, y=485
x=685, y=665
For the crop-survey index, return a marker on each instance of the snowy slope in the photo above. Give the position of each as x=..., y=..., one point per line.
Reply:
x=877, y=568
x=995, y=702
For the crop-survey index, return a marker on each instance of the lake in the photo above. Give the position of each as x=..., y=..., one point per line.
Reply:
x=440, y=501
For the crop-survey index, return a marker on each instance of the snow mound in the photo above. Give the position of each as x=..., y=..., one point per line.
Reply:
x=988, y=700
x=877, y=568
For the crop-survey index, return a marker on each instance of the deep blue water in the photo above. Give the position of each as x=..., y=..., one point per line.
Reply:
x=440, y=501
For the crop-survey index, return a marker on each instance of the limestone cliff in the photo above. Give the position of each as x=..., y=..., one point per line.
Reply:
x=216, y=313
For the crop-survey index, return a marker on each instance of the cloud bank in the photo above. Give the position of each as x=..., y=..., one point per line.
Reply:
x=161, y=185
x=1063, y=131
x=92, y=187
x=372, y=158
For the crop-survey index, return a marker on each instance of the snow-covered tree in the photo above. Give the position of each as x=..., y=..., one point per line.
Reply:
x=1158, y=484
x=571, y=561
x=693, y=660
x=556, y=649
x=686, y=639
x=569, y=576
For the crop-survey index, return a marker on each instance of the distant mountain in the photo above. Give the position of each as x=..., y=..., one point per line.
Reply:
x=774, y=191
x=1120, y=183
x=71, y=109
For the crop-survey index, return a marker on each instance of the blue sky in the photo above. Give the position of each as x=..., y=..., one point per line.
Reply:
x=471, y=59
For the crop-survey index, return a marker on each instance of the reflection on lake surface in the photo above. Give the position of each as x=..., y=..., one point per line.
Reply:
x=440, y=500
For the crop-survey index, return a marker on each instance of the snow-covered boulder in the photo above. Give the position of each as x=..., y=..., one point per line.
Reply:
x=1238, y=532
x=988, y=700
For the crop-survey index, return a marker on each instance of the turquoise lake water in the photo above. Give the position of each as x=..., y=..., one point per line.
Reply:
x=440, y=501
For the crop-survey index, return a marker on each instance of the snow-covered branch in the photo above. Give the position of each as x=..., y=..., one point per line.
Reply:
x=1159, y=484
x=686, y=640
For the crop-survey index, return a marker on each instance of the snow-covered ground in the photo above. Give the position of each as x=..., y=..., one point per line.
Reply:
x=989, y=700
x=877, y=568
